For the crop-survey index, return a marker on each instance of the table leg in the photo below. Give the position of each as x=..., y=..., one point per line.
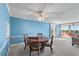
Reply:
x=42, y=47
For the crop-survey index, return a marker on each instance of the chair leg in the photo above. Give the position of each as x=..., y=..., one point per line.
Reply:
x=30, y=51
x=25, y=47
x=72, y=44
x=38, y=53
x=42, y=47
x=51, y=49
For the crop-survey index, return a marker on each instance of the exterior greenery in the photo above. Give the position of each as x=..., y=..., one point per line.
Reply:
x=70, y=31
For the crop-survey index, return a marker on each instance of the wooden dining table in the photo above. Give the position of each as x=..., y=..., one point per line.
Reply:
x=41, y=40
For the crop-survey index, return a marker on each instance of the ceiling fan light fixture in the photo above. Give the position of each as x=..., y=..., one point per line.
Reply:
x=41, y=18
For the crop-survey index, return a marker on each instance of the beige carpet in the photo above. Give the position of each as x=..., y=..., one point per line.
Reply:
x=60, y=48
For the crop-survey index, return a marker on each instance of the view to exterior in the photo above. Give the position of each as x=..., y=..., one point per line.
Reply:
x=69, y=30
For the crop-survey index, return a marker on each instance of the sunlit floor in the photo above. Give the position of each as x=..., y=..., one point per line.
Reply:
x=66, y=35
x=61, y=47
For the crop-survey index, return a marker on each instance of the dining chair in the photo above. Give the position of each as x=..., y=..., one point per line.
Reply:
x=25, y=40
x=49, y=44
x=39, y=35
x=34, y=46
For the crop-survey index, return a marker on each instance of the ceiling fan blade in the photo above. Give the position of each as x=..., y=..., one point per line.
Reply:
x=31, y=9
x=26, y=8
x=54, y=12
x=43, y=7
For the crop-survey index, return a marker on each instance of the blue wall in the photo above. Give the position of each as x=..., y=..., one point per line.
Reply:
x=4, y=18
x=19, y=26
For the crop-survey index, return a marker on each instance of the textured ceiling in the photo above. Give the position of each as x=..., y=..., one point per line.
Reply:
x=57, y=12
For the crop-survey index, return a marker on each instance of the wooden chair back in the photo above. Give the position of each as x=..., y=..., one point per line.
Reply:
x=51, y=40
x=39, y=35
x=25, y=38
x=33, y=39
x=33, y=46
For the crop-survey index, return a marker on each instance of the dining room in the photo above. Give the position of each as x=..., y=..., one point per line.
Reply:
x=21, y=27
x=35, y=29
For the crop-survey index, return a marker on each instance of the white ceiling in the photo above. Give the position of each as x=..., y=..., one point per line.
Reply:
x=57, y=12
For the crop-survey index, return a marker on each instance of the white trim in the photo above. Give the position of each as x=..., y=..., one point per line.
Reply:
x=8, y=9
x=17, y=44
x=7, y=30
x=16, y=36
x=23, y=18
x=8, y=52
x=29, y=19
x=3, y=46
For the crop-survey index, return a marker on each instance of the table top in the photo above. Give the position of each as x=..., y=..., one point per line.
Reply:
x=40, y=40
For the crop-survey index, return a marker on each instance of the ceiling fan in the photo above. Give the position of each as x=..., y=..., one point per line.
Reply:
x=41, y=14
